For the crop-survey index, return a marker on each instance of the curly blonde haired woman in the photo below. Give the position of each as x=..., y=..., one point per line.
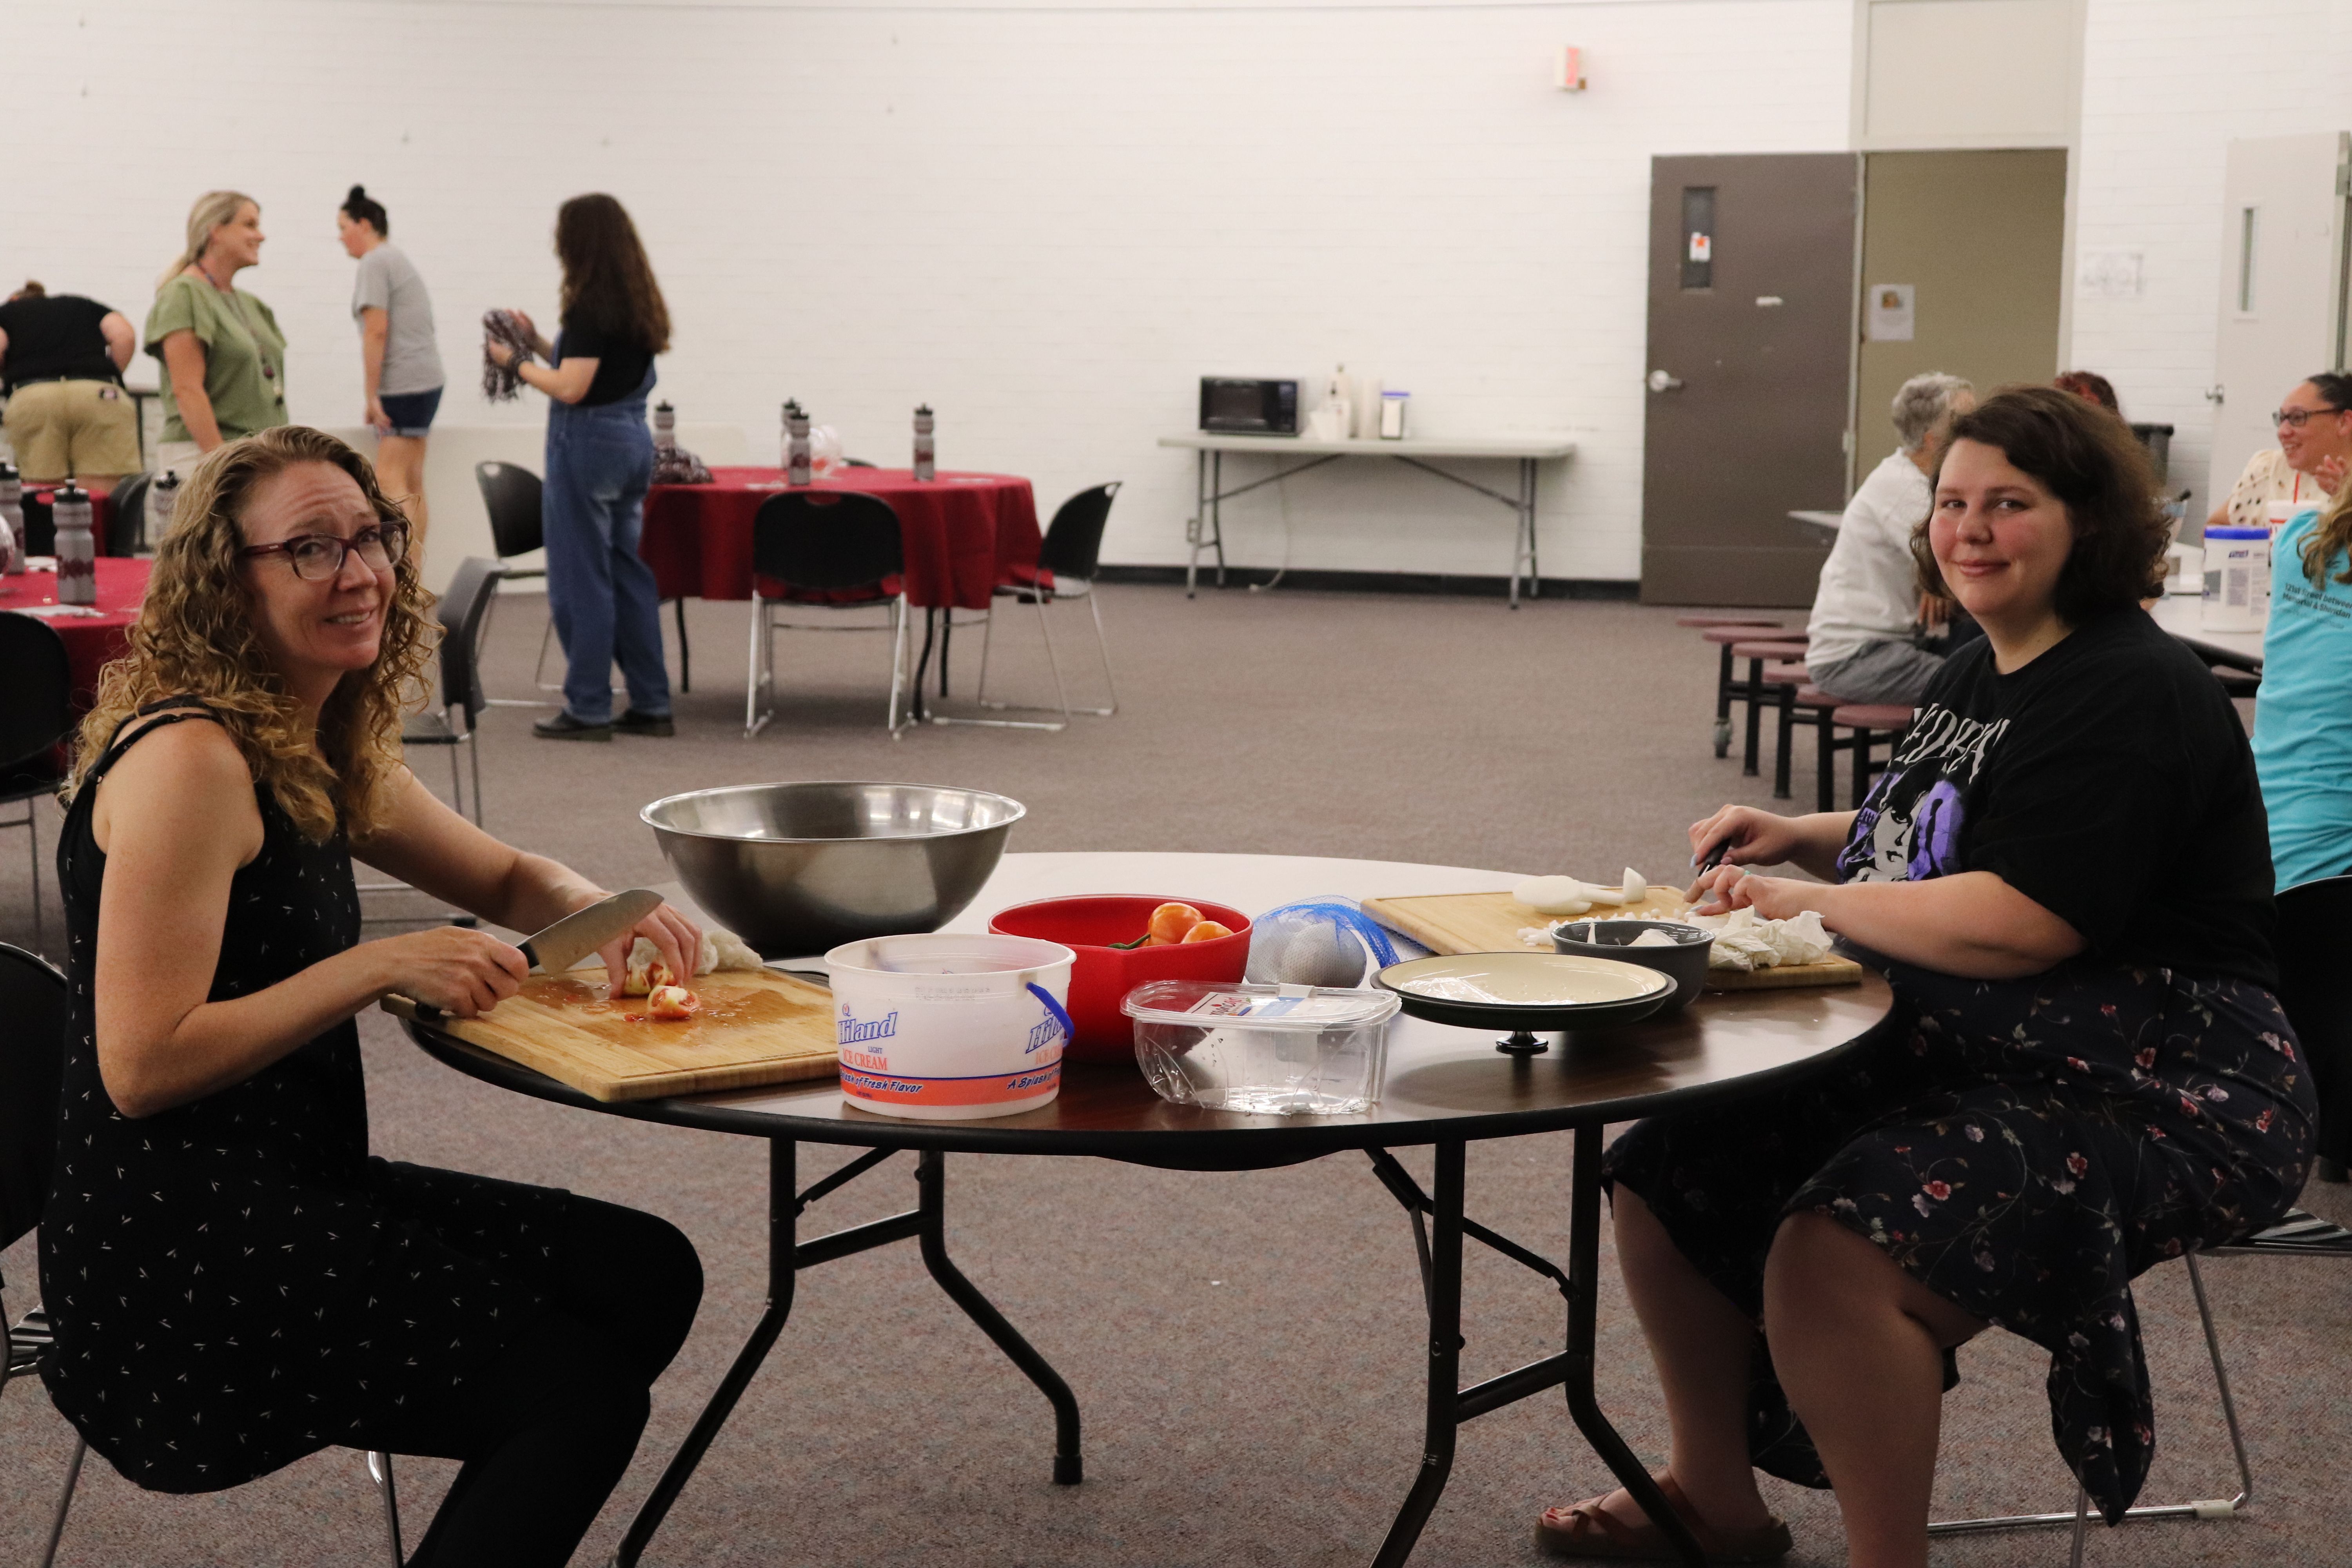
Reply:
x=234, y=1282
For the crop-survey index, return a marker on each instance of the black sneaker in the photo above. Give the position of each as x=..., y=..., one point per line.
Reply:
x=635, y=724
x=564, y=727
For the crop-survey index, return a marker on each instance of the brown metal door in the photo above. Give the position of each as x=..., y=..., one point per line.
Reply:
x=1751, y=348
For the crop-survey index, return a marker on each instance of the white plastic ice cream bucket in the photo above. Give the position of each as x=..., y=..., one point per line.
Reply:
x=950, y=1027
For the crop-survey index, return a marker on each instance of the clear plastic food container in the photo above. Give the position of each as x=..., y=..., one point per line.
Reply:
x=1270, y=1050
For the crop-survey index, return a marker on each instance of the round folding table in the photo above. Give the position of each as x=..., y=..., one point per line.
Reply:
x=1445, y=1088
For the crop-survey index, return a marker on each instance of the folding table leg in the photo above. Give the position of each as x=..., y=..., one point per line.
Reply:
x=931, y=1173
x=1442, y=1421
x=1583, y=1314
x=782, y=1230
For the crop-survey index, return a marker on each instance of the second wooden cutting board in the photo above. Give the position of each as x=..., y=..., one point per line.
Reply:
x=1491, y=922
x=756, y=1027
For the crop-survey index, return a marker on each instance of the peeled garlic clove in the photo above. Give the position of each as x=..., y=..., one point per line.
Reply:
x=1637, y=887
x=1552, y=895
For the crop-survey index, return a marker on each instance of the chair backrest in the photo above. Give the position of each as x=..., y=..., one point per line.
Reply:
x=36, y=696
x=827, y=540
x=126, y=529
x=34, y=1000
x=2314, y=984
x=461, y=612
x=510, y=494
x=1073, y=542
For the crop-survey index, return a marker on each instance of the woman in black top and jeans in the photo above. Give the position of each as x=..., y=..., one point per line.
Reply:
x=2066, y=876
x=234, y=1281
x=600, y=461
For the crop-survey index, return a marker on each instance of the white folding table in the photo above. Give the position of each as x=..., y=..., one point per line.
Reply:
x=1206, y=528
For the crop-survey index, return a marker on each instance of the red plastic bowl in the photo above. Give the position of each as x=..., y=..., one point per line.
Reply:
x=1104, y=975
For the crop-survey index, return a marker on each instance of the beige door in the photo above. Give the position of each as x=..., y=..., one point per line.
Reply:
x=1978, y=239
x=2282, y=286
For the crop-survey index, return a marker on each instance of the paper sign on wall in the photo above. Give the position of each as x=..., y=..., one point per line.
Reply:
x=1892, y=312
x=2109, y=275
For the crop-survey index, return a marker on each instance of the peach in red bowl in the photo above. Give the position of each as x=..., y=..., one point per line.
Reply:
x=1105, y=974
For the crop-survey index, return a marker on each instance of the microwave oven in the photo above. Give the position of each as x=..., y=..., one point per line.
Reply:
x=1246, y=406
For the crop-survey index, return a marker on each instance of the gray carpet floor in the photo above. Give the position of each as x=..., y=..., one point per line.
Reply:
x=1245, y=1347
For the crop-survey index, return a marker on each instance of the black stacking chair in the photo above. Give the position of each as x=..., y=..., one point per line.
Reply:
x=35, y=712
x=2316, y=992
x=835, y=552
x=34, y=1013
x=462, y=611
x=126, y=531
x=512, y=495
x=1072, y=554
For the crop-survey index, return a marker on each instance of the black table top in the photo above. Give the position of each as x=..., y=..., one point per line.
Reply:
x=1443, y=1084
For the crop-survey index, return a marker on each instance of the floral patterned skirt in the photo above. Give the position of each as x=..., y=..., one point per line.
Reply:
x=2023, y=1149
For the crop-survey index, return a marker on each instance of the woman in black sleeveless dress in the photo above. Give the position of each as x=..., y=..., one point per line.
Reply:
x=234, y=1282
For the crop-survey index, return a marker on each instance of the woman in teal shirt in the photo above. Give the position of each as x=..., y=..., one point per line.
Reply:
x=2303, y=750
x=2302, y=723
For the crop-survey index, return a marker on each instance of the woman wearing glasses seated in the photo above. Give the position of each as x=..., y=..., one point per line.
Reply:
x=2064, y=876
x=2307, y=466
x=235, y=1282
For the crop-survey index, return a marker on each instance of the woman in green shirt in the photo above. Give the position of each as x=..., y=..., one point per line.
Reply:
x=224, y=357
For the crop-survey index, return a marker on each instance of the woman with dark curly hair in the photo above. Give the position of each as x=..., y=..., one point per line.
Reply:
x=234, y=1282
x=2084, y=1071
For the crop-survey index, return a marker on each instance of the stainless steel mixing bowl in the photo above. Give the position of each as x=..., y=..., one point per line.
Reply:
x=798, y=869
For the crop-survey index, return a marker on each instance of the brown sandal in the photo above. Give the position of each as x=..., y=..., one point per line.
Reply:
x=1585, y=1530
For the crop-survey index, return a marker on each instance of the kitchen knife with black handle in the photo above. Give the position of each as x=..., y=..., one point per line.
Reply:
x=560, y=946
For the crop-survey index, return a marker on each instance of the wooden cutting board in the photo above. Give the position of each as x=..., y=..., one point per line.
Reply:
x=1491, y=922
x=756, y=1027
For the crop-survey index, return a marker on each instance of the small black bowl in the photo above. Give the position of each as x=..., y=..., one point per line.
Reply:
x=1685, y=962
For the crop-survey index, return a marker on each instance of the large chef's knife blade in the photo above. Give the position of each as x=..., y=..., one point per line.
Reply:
x=582, y=932
x=561, y=945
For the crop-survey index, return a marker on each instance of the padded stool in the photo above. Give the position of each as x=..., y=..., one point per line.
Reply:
x=1868, y=720
x=1756, y=691
x=1726, y=686
x=1783, y=683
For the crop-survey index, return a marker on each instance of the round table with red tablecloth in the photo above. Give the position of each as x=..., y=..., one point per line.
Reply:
x=962, y=535
x=93, y=636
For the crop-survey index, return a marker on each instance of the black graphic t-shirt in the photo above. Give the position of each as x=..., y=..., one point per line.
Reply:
x=2109, y=781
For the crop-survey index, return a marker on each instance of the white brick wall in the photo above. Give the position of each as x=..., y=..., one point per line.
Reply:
x=1046, y=223
x=2167, y=85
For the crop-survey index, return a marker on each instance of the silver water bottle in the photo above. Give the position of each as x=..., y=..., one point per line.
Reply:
x=796, y=444
x=927, y=452
x=664, y=428
x=77, y=547
x=162, y=495
x=11, y=520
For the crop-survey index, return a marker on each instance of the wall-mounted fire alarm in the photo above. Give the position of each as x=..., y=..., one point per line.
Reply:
x=1569, y=75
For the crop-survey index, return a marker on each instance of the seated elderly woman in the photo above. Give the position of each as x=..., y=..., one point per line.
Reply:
x=1868, y=635
x=2084, y=1071
x=234, y=1282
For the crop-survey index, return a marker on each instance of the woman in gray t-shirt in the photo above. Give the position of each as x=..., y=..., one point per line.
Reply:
x=401, y=362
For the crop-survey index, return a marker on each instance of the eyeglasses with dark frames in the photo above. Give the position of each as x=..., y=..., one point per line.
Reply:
x=320, y=557
x=2295, y=418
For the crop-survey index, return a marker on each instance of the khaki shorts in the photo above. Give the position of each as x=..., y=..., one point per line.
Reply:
x=69, y=429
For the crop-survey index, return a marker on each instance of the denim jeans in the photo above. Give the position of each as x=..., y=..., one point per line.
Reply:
x=599, y=593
